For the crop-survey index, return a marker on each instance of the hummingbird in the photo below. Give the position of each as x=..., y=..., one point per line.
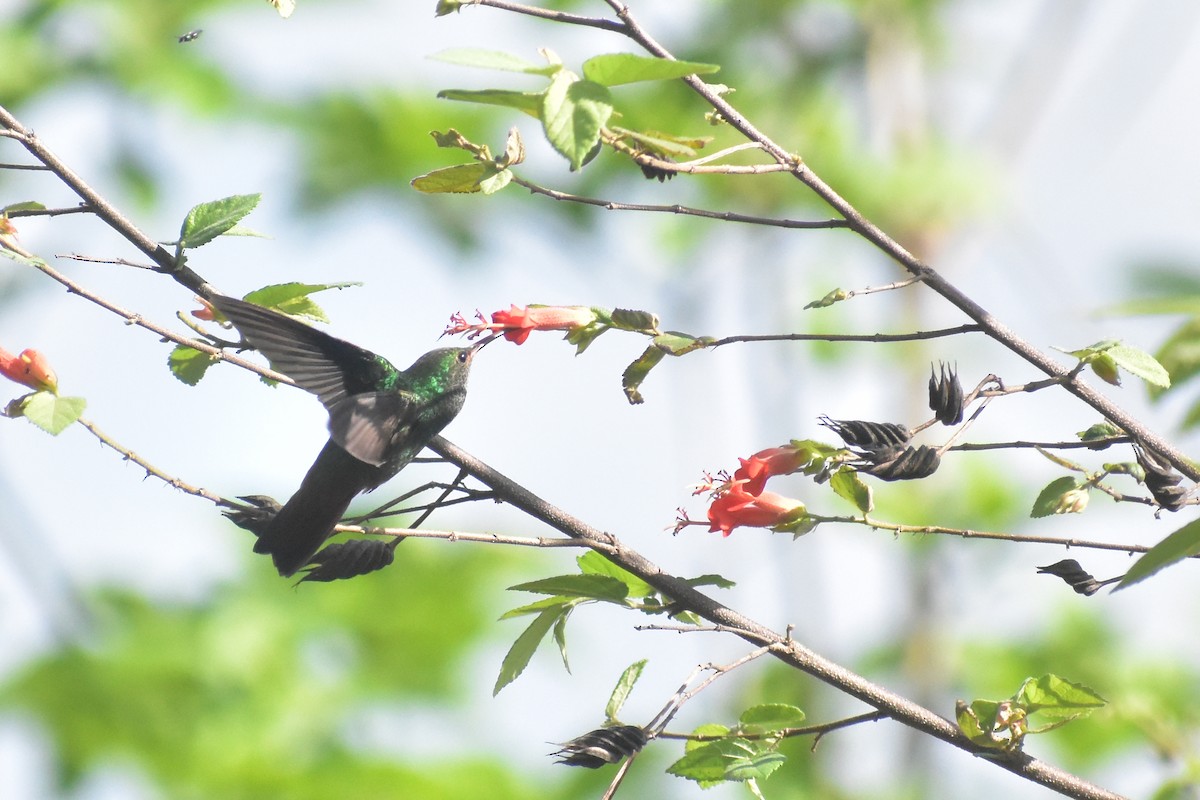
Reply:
x=380, y=418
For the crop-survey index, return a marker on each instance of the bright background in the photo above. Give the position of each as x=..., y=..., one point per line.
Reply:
x=1040, y=154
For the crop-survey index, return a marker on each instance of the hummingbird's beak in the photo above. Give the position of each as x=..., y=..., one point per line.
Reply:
x=475, y=348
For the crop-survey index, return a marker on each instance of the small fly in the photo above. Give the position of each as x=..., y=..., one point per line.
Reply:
x=191, y=36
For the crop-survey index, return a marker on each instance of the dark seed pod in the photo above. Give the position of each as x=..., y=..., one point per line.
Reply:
x=349, y=559
x=874, y=441
x=912, y=464
x=656, y=172
x=255, y=516
x=946, y=396
x=1075, y=576
x=1162, y=481
x=602, y=746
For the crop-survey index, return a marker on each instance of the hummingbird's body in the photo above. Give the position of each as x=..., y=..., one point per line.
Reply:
x=380, y=418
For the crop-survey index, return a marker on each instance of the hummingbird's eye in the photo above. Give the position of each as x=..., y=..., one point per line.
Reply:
x=463, y=355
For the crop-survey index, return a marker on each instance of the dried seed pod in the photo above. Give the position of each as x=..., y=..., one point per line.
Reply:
x=255, y=516
x=912, y=464
x=1075, y=576
x=946, y=396
x=349, y=559
x=874, y=441
x=1162, y=481
x=602, y=746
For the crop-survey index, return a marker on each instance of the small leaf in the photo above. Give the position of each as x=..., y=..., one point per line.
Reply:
x=664, y=145
x=1140, y=364
x=530, y=103
x=445, y=7
x=560, y=638
x=621, y=691
x=293, y=298
x=848, y=485
x=614, y=69
x=496, y=182
x=770, y=717
x=627, y=319
x=25, y=205
x=755, y=766
x=1047, y=499
x=1058, y=700
x=1100, y=431
x=678, y=344
x=1104, y=366
x=189, y=364
x=460, y=179
x=523, y=648
x=492, y=59
x=592, y=563
x=710, y=580
x=1177, y=546
x=538, y=606
x=595, y=587
x=706, y=762
x=207, y=221
x=635, y=373
x=573, y=113
x=835, y=296
x=52, y=413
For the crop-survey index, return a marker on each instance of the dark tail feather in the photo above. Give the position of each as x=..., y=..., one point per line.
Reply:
x=300, y=528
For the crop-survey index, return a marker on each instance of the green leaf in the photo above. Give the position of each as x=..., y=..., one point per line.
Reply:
x=976, y=722
x=530, y=103
x=614, y=69
x=664, y=144
x=635, y=373
x=462, y=179
x=770, y=717
x=1104, y=366
x=1175, y=547
x=755, y=766
x=52, y=413
x=207, y=221
x=523, y=648
x=445, y=7
x=188, y=364
x=573, y=113
x=1140, y=364
x=1057, y=700
x=25, y=205
x=560, y=637
x=538, y=606
x=1180, y=353
x=621, y=691
x=242, y=230
x=847, y=484
x=710, y=580
x=592, y=563
x=627, y=319
x=1047, y=499
x=835, y=296
x=493, y=59
x=707, y=762
x=679, y=344
x=595, y=587
x=293, y=298
x=1101, y=430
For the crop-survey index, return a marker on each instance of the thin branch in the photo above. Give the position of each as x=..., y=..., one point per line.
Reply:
x=37, y=167
x=462, y=536
x=124, y=262
x=785, y=733
x=49, y=212
x=151, y=470
x=668, y=712
x=1074, y=445
x=848, y=337
x=553, y=16
x=724, y=216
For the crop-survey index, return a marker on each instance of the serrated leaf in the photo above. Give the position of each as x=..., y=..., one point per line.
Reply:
x=242, y=230
x=635, y=373
x=189, y=364
x=1177, y=546
x=1057, y=700
x=560, y=637
x=627, y=319
x=573, y=113
x=756, y=766
x=1047, y=499
x=1140, y=364
x=293, y=298
x=614, y=69
x=459, y=179
x=207, y=221
x=492, y=59
x=621, y=691
x=582, y=337
x=679, y=344
x=524, y=647
x=592, y=563
x=707, y=762
x=770, y=717
x=847, y=484
x=595, y=587
x=52, y=413
x=538, y=606
x=530, y=103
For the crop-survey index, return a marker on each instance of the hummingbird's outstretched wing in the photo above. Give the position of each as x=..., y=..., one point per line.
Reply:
x=368, y=426
x=319, y=363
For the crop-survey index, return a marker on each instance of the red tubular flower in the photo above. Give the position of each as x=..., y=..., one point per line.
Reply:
x=737, y=507
x=753, y=473
x=29, y=369
x=517, y=323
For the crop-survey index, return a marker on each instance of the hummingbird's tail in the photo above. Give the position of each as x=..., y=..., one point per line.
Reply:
x=304, y=523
